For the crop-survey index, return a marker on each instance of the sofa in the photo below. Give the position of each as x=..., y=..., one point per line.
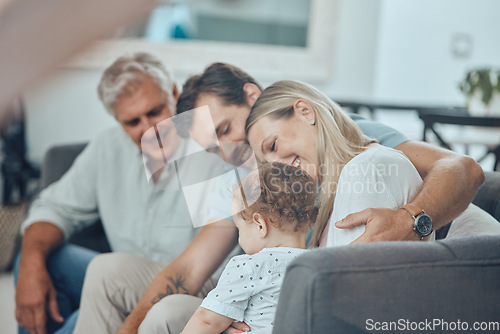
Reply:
x=56, y=162
x=362, y=288
x=393, y=287
x=447, y=286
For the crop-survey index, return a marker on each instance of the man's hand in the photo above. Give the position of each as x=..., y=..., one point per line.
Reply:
x=194, y=264
x=34, y=290
x=34, y=295
x=237, y=328
x=381, y=225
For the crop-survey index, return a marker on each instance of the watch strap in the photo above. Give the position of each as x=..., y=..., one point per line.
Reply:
x=412, y=209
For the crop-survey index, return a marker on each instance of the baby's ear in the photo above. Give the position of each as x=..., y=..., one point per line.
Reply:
x=261, y=223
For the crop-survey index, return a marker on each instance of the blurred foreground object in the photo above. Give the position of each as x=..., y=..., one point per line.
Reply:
x=11, y=217
x=482, y=88
x=36, y=36
x=16, y=171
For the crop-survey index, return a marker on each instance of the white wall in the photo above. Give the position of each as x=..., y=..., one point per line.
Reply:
x=390, y=50
x=64, y=109
x=355, y=51
x=414, y=52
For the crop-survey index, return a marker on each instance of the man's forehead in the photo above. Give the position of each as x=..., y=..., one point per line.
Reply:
x=146, y=93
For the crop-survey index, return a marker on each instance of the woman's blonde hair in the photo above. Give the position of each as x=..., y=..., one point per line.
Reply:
x=339, y=138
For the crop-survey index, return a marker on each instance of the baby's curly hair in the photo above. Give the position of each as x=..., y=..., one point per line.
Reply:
x=285, y=194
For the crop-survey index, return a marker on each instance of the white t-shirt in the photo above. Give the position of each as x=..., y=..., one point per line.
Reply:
x=249, y=287
x=382, y=177
x=222, y=195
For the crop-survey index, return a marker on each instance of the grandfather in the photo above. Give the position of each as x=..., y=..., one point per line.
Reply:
x=107, y=182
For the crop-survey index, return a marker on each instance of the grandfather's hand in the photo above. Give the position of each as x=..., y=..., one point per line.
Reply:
x=34, y=295
x=236, y=328
x=381, y=225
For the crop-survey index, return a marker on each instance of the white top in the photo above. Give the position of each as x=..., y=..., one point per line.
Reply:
x=370, y=180
x=108, y=181
x=382, y=177
x=222, y=196
x=249, y=287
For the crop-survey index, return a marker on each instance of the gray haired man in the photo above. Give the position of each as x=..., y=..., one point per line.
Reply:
x=107, y=181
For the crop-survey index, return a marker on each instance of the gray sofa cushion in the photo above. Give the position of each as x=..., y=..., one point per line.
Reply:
x=488, y=195
x=57, y=161
x=336, y=290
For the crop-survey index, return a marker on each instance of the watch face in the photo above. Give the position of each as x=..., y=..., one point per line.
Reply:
x=423, y=225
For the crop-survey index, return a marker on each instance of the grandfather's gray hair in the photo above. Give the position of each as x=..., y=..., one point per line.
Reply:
x=128, y=69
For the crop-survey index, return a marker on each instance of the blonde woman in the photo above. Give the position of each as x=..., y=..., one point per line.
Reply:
x=295, y=123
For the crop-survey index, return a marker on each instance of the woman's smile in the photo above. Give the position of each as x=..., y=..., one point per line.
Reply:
x=297, y=162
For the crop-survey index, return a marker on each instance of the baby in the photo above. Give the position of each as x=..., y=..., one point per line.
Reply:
x=273, y=208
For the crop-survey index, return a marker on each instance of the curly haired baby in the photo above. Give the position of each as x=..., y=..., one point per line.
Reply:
x=273, y=209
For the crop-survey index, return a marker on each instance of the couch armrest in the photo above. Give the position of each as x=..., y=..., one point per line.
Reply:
x=57, y=161
x=337, y=290
x=488, y=195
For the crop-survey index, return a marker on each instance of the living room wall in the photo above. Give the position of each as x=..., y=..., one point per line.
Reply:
x=386, y=50
x=66, y=109
x=415, y=50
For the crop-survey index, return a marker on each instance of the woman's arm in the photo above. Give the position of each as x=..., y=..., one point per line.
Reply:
x=205, y=321
x=450, y=183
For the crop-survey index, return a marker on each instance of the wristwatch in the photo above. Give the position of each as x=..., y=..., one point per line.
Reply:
x=423, y=223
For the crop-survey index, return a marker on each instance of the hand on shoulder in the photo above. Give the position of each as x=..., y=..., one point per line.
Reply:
x=381, y=225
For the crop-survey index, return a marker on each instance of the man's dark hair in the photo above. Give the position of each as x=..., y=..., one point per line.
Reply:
x=222, y=80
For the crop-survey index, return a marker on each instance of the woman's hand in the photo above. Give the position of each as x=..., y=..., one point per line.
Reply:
x=236, y=328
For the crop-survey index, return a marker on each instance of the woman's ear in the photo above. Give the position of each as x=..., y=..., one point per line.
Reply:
x=261, y=224
x=252, y=92
x=305, y=111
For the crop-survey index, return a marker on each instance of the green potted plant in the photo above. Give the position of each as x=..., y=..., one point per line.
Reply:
x=482, y=88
